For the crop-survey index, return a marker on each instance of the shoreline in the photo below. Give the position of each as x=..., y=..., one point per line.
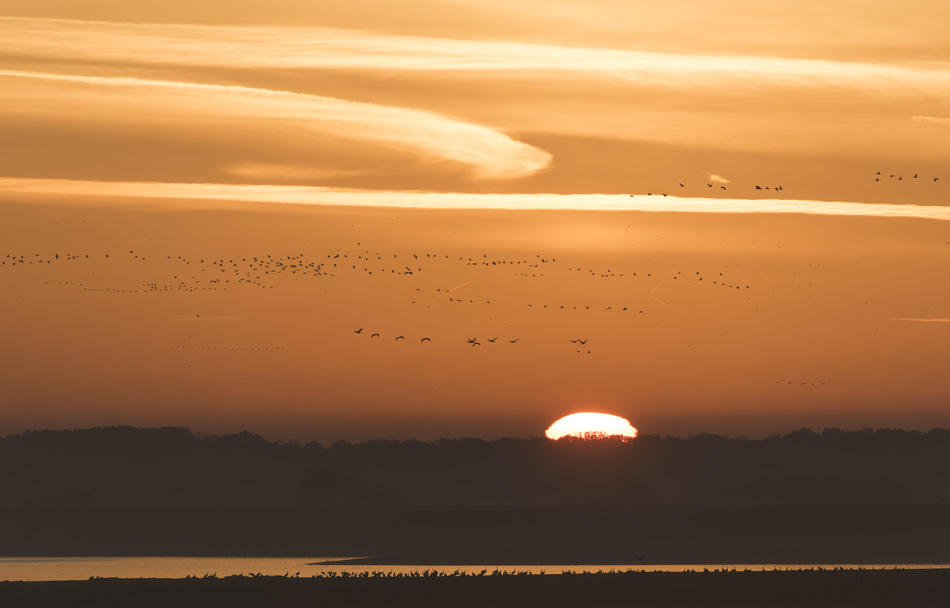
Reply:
x=812, y=587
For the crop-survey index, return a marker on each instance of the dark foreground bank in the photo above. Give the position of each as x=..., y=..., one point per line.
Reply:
x=813, y=588
x=801, y=534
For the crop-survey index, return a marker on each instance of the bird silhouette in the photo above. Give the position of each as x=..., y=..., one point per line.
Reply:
x=492, y=339
x=424, y=339
x=471, y=340
x=513, y=341
x=358, y=331
x=399, y=338
x=374, y=336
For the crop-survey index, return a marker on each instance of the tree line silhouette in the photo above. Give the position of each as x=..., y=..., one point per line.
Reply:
x=173, y=467
x=786, y=588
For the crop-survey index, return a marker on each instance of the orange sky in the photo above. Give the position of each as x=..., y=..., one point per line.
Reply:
x=503, y=143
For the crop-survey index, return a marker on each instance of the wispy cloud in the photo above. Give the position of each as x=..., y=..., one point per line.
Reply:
x=939, y=120
x=312, y=195
x=923, y=320
x=277, y=171
x=777, y=104
x=489, y=152
x=309, y=47
x=718, y=179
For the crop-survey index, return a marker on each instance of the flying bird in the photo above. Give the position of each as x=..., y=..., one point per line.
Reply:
x=374, y=336
x=399, y=338
x=358, y=331
x=513, y=341
x=424, y=339
x=492, y=339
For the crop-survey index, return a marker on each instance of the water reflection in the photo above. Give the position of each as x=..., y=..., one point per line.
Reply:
x=81, y=568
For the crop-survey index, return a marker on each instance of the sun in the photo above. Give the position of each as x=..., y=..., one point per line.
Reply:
x=588, y=425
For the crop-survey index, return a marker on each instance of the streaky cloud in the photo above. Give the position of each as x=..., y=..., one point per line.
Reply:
x=275, y=170
x=490, y=153
x=315, y=195
x=289, y=47
x=940, y=120
x=912, y=320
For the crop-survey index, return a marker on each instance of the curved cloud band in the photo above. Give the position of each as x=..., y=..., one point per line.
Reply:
x=309, y=195
x=490, y=153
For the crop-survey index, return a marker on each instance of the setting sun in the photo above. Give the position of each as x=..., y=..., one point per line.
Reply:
x=590, y=424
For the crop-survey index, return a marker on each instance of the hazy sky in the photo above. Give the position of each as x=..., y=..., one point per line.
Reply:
x=252, y=182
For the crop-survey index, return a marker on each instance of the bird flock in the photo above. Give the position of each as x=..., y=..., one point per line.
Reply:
x=188, y=274
x=722, y=186
x=897, y=177
x=469, y=341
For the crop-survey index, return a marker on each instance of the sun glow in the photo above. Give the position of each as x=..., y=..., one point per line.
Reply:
x=590, y=425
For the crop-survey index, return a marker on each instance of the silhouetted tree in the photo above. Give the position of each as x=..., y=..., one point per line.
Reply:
x=128, y=467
